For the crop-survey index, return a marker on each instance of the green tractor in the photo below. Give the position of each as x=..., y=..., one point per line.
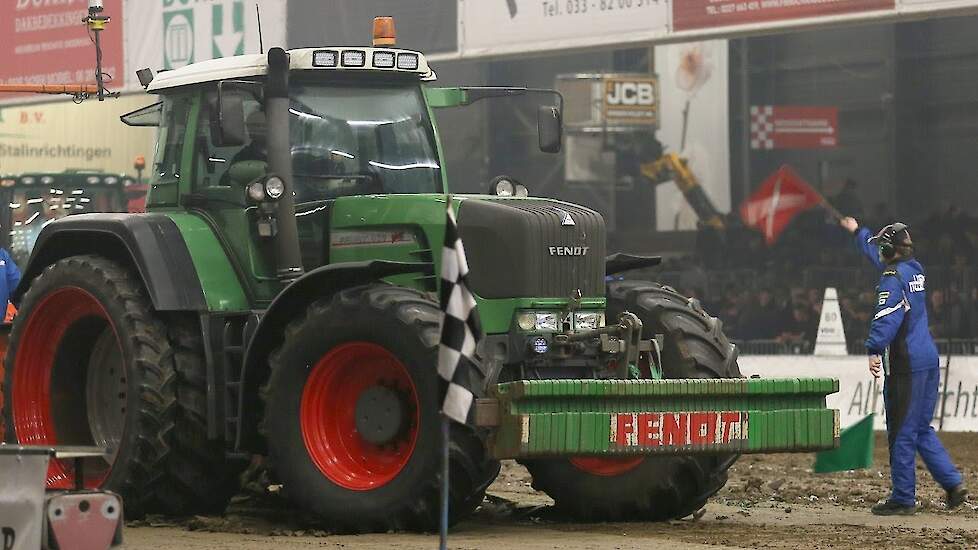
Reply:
x=278, y=298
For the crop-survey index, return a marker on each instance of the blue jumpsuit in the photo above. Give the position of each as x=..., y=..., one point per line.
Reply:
x=899, y=333
x=9, y=279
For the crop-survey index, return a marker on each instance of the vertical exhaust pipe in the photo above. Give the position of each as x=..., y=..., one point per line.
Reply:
x=288, y=259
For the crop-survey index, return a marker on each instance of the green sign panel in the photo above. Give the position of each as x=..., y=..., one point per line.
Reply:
x=178, y=38
x=197, y=31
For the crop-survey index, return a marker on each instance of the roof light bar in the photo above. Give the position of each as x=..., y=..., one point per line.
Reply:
x=354, y=58
x=407, y=61
x=384, y=60
x=325, y=58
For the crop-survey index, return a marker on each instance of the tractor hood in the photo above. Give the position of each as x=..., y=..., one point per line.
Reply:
x=519, y=247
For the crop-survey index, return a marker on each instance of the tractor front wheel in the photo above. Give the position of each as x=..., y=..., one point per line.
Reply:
x=657, y=487
x=351, y=415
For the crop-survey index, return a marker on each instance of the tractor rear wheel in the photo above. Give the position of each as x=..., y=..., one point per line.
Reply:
x=656, y=487
x=351, y=415
x=90, y=363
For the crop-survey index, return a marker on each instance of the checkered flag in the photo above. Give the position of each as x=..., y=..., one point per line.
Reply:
x=460, y=330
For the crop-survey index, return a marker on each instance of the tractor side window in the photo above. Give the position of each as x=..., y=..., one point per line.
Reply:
x=172, y=133
x=214, y=164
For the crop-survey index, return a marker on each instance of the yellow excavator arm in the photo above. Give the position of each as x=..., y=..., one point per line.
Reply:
x=672, y=167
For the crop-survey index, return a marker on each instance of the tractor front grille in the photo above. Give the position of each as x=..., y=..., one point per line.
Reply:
x=527, y=248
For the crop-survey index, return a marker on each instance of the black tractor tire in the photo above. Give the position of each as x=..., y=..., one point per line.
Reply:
x=201, y=471
x=329, y=356
x=69, y=308
x=659, y=487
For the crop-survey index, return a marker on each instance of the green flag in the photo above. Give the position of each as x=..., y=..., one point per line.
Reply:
x=855, y=449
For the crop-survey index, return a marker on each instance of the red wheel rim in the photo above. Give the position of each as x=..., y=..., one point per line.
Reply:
x=328, y=422
x=31, y=398
x=605, y=467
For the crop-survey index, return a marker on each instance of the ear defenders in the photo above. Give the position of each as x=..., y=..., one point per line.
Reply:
x=885, y=240
x=887, y=250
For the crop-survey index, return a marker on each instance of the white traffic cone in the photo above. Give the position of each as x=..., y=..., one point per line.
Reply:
x=831, y=337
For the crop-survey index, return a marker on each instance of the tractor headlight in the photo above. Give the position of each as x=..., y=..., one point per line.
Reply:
x=407, y=61
x=527, y=321
x=384, y=60
x=540, y=345
x=547, y=321
x=274, y=187
x=353, y=58
x=584, y=320
x=537, y=321
x=504, y=188
x=269, y=188
x=256, y=191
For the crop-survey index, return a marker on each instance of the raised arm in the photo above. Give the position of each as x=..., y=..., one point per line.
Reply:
x=862, y=235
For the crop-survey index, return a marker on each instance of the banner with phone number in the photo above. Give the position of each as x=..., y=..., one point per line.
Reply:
x=700, y=14
x=494, y=27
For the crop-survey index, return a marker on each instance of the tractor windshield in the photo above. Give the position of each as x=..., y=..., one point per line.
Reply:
x=355, y=140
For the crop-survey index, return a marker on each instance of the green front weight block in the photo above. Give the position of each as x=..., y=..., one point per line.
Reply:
x=550, y=418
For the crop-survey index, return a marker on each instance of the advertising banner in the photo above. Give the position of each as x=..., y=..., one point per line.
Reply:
x=169, y=34
x=704, y=14
x=861, y=394
x=694, y=106
x=929, y=5
x=793, y=127
x=57, y=136
x=21, y=500
x=47, y=43
x=630, y=100
x=494, y=27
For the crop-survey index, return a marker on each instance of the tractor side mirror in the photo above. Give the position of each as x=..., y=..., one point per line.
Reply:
x=229, y=128
x=549, y=128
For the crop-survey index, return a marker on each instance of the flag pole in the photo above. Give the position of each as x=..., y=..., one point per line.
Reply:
x=446, y=438
x=445, y=442
x=830, y=209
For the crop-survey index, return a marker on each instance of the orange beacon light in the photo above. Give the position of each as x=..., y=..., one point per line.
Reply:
x=384, y=34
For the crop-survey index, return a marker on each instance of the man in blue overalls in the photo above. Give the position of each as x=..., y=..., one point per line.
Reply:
x=900, y=344
x=9, y=279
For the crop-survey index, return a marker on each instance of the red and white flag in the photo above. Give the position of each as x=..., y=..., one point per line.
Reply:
x=781, y=197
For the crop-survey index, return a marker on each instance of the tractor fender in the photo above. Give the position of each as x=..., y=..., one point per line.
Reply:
x=152, y=244
x=291, y=302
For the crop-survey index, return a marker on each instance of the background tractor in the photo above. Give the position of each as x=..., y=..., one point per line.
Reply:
x=29, y=201
x=278, y=298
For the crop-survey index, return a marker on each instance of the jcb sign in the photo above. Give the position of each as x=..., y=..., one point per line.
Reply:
x=631, y=100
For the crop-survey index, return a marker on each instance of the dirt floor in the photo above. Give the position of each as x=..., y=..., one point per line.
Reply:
x=771, y=501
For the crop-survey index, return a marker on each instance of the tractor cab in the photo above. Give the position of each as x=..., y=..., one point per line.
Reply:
x=355, y=127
